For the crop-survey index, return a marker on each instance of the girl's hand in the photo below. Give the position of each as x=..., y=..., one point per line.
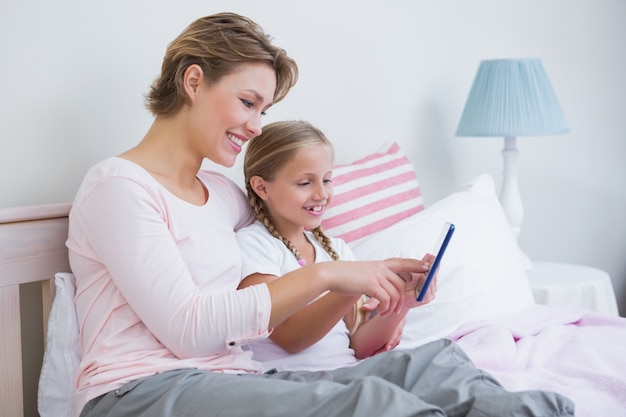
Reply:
x=417, y=282
x=395, y=338
x=370, y=306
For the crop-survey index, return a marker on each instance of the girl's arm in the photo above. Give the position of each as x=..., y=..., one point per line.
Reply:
x=264, y=261
x=311, y=323
x=372, y=335
x=346, y=281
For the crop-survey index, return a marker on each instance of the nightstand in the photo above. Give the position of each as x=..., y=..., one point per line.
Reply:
x=579, y=285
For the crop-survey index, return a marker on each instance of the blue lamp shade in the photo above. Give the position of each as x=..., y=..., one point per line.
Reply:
x=511, y=97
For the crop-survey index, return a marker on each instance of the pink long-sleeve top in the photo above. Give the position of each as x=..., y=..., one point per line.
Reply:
x=157, y=279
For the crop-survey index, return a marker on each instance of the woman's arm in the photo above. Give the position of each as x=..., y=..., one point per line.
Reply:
x=379, y=279
x=311, y=323
x=298, y=323
x=139, y=260
x=265, y=259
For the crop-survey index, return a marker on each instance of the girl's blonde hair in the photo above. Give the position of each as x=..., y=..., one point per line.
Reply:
x=265, y=156
x=219, y=44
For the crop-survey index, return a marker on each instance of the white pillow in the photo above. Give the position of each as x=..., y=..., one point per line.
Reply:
x=372, y=194
x=481, y=276
x=62, y=355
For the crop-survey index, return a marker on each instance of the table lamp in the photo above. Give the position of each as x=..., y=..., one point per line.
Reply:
x=511, y=98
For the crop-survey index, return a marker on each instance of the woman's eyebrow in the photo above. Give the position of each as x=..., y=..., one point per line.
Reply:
x=259, y=97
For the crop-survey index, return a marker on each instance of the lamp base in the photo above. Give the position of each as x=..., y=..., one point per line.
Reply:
x=509, y=195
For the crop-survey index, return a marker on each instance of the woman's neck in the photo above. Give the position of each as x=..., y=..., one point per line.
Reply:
x=163, y=154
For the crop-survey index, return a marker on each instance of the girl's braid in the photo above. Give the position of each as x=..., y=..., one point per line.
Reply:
x=261, y=216
x=321, y=237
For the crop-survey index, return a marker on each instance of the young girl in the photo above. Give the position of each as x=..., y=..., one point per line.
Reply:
x=288, y=174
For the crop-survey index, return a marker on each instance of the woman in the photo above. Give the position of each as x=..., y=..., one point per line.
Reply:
x=152, y=245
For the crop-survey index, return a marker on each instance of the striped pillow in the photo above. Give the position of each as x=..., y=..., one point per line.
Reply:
x=371, y=194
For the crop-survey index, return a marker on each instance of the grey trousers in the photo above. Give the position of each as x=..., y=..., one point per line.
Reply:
x=436, y=379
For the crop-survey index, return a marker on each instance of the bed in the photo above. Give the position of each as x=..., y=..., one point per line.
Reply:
x=484, y=301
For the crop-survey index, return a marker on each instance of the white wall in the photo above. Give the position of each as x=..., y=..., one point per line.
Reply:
x=73, y=74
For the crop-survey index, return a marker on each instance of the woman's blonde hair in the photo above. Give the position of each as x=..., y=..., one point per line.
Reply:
x=219, y=44
x=265, y=156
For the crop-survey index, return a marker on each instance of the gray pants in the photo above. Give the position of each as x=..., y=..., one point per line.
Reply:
x=437, y=379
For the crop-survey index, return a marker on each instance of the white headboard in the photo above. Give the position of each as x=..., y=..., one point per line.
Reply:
x=32, y=250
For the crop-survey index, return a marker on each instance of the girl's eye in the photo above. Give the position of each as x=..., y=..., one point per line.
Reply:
x=328, y=181
x=303, y=183
x=263, y=113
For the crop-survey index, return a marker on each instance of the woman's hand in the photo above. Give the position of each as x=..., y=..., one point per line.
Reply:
x=386, y=281
x=384, y=330
x=373, y=278
x=414, y=281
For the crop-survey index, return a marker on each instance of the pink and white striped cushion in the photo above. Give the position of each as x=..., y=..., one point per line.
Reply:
x=372, y=194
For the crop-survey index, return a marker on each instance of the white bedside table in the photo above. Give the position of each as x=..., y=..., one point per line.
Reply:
x=582, y=286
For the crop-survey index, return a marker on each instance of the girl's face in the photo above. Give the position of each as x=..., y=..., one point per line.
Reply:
x=299, y=194
x=228, y=113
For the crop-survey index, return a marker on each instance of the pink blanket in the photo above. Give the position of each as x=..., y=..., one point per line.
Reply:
x=577, y=353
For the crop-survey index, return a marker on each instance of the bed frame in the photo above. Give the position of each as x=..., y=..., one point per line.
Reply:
x=32, y=250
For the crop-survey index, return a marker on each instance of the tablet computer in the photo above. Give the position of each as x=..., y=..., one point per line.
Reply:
x=440, y=249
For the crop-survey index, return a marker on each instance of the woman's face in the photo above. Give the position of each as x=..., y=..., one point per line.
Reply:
x=228, y=113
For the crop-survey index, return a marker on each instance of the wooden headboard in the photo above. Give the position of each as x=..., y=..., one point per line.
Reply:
x=32, y=250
